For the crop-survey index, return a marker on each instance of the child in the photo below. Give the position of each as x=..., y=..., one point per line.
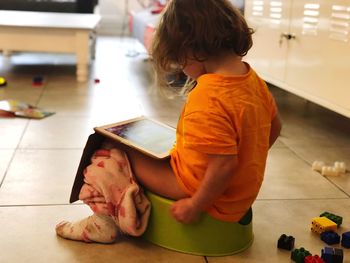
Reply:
x=228, y=123
x=229, y=120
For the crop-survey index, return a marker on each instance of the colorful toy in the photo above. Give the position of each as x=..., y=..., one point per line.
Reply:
x=3, y=82
x=336, y=219
x=298, y=255
x=345, y=239
x=37, y=81
x=286, y=242
x=322, y=224
x=313, y=259
x=330, y=237
x=332, y=255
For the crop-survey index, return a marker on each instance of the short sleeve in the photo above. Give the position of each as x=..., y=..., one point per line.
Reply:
x=209, y=133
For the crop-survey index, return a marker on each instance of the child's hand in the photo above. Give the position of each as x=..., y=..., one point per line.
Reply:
x=185, y=211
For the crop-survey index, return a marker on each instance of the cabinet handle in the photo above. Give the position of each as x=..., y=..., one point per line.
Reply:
x=286, y=36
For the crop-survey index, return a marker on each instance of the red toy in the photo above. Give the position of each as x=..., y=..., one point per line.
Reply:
x=313, y=259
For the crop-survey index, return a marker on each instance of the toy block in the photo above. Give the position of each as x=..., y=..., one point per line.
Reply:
x=286, y=242
x=329, y=171
x=322, y=224
x=345, y=239
x=37, y=81
x=327, y=254
x=338, y=255
x=340, y=167
x=298, y=255
x=313, y=259
x=317, y=166
x=335, y=218
x=3, y=82
x=332, y=255
x=330, y=237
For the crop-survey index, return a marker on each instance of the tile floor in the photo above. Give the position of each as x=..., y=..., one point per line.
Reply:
x=39, y=158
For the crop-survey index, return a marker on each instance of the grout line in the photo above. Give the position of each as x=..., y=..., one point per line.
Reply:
x=20, y=139
x=14, y=153
x=38, y=205
x=41, y=149
x=304, y=199
x=334, y=184
x=82, y=204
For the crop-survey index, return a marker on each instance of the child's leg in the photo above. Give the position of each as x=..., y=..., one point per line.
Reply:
x=155, y=175
x=95, y=228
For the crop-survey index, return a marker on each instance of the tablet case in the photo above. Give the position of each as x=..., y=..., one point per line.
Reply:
x=93, y=143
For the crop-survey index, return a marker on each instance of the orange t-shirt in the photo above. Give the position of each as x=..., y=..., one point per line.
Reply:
x=225, y=115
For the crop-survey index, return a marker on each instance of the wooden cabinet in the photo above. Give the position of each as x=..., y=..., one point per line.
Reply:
x=303, y=47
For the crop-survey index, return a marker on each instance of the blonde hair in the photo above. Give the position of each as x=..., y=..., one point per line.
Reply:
x=198, y=29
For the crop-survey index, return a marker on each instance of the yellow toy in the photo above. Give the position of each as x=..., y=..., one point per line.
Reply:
x=322, y=224
x=2, y=82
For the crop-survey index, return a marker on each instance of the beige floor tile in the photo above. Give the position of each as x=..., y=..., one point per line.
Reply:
x=162, y=108
x=27, y=235
x=68, y=86
x=64, y=105
x=27, y=94
x=57, y=132
x=329, y=155
x=299, y=134
x=274, y=218
x=290, y=177
x=44, y=166
x=11, y=130
x=305, y=123
x=278, y=144
x=5, y=158
x=40, y=177
x=114, y=104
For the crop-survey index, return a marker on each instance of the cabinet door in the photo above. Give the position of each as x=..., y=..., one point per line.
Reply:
x=318, y=66
x=269, y=19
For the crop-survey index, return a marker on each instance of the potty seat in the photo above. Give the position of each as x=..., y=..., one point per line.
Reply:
x=208, y=237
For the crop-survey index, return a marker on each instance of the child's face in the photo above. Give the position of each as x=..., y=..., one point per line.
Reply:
x=194, y=69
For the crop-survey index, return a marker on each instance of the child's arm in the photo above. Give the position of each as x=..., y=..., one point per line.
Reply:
x=220, y=170
x=276, y=127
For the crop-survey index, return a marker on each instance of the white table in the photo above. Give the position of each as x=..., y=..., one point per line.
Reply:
x=50, y=32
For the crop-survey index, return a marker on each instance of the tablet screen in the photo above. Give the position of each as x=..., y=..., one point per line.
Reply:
x=146, y=134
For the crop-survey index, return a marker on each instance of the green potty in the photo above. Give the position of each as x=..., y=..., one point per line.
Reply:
x=208, y=237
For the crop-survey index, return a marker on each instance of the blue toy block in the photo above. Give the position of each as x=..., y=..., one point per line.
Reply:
x=338, y=255
x=286, y=242
x=330, y=237
x=332, y=255
x=327, y=254
x=345, y=240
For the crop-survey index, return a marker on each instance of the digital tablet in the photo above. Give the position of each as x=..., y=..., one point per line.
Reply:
x=146, y=135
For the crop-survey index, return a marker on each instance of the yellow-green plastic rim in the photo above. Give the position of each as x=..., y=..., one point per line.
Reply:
x=208, y=237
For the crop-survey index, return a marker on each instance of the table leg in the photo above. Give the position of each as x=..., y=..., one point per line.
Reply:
x=82, y=72
x=93, y=45
x=83, y=56
x=7, y=53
